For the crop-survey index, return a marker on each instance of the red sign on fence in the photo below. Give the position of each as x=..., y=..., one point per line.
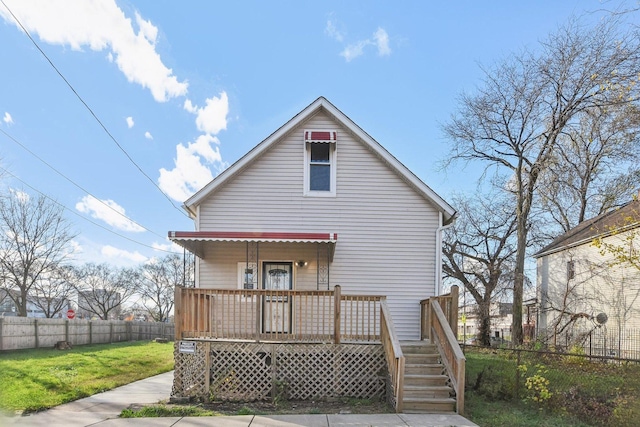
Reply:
x=71, y=314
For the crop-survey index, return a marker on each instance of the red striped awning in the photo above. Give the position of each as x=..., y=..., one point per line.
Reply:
x=320, y=136
x=194, y=241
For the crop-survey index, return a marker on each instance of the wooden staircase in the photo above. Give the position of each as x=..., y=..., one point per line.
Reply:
x=426, y=388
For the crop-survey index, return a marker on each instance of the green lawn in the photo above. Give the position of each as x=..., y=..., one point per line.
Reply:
x=32, y=380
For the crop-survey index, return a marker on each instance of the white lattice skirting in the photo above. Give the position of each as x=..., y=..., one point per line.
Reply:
x=257, y=371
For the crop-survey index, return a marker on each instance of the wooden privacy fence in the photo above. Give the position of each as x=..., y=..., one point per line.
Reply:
x=28, y=332
x=276, y=315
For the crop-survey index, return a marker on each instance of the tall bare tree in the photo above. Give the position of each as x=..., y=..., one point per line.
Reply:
x=34, y=242
x=479, y=251
x=596, y=170
x=514, y=122
x=157, y=285
x=102, y=289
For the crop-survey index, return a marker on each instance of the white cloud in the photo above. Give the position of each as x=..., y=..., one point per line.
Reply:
x=190, y=174
x=382, y=42
x=130, y=122
x=354, y=50
x=7, y=118
x=379, y=39
x=115, y=253
x=148, y=135
x=101, y=25
x=109, y=212
x=169, y=246
x=20, y=195
x=212, y=118
x=332, y=31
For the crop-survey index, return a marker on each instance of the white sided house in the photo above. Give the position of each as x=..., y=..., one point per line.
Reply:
x=316, y=254
x=584, y=287
x=321, y=203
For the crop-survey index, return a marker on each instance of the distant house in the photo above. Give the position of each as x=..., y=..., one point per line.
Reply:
x=501, y=314
x=581, y=287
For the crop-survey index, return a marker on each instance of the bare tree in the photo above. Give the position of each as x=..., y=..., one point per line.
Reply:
x=479, y=252
x=157, y=285
x=102, y=289
x=52, y=292
x=596, y=169
x=515, y=121
x=34, y=241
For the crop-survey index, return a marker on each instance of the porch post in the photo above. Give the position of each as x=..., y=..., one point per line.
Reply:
x=177, y=313
x=336, y=309
x=453, y=313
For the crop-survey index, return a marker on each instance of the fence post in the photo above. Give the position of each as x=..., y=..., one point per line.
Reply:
x=90, y=332
x=111, y=332
x=1, y=333
x=128, y=328
x=337, y=297
x=517, y=393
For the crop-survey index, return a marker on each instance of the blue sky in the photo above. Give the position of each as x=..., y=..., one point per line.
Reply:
x=186, y=88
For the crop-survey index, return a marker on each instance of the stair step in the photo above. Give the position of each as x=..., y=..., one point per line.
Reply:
x=415, y=359
x=418, y=347
x=425, y=380
x=427, y=392
x=438, y=405
x=423, y=368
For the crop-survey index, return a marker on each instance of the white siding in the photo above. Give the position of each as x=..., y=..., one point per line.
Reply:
x=386, y=231
x=597, y=286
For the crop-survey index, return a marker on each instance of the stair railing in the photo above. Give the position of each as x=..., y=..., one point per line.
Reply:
x=450, y=352
x=393, y=355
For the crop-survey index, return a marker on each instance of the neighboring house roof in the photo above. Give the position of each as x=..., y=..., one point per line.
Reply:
x=624, y=218
x=317, y=105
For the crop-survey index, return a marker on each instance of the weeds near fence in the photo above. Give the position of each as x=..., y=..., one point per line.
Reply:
x=575, y=388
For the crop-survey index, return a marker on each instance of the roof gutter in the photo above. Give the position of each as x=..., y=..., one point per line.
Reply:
x=439, y=231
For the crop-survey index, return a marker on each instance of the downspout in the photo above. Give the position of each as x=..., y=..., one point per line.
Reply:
x=440, y=229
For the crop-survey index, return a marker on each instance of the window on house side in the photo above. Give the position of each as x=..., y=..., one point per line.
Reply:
x=320, y=168
x=571, y=270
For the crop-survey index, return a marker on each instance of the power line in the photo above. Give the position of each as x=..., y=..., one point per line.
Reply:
x=77, y=185
x=91, y=111
x=83, y=217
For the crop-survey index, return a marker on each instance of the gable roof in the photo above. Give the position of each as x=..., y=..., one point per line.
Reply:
x=624, y=218
x=323, y=104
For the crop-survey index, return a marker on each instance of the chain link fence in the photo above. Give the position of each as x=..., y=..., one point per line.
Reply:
x=597, y=390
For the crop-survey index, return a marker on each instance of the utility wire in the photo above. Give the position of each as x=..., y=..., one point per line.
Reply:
x=77, y=185
x=83, y=217
x=90, y=110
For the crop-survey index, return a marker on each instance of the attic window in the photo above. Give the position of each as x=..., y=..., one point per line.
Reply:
x=320, y=163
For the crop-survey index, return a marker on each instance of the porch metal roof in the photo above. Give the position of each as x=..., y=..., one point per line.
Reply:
x=194, y=241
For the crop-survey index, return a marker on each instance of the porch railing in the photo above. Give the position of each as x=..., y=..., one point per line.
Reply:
x=448, y=304
x=438, y=325
x=276, y=315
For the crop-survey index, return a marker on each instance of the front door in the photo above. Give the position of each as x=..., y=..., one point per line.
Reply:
x=277, y=276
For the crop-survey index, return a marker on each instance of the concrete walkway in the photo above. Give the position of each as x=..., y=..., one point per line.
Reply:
x=103, y=409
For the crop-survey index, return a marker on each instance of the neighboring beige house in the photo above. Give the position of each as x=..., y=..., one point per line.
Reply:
x=580, y=287
x=320, y=203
